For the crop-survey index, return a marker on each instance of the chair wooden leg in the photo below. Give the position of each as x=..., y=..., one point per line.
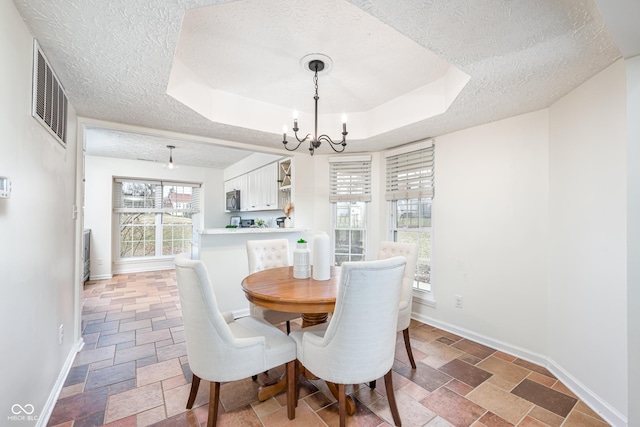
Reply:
x=291, y=389
x=407, y=344
x=296, y=384
x=288, y=327
x=342, y=405
x=372, y=384
x=195, y=383
x=254, y=377
x=388, y=384
x=214, y=399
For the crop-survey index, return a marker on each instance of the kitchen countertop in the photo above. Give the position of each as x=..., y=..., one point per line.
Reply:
x=249, y=230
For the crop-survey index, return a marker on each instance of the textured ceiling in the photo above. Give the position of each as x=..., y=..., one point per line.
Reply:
x=114, y=58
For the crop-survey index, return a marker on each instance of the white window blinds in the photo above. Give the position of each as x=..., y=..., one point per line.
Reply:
x=411, y=174
x=350, y=179
x=131, y=195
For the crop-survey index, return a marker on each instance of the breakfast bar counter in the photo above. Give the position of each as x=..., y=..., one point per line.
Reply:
x=224, y=252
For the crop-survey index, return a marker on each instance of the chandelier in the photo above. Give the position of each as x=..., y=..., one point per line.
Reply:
x=315, y=140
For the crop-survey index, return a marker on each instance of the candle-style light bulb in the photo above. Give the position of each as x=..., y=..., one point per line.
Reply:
x=344, y=123
x=284, y=133
x=295, y=120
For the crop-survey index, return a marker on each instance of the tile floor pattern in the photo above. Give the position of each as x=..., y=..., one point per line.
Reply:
x=134, y=371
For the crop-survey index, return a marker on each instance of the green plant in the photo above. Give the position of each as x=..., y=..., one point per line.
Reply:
x=302, y=241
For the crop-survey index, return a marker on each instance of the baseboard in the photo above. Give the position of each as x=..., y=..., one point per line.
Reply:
x=43, y=419
x=517, y=351
x=240, y=313
x=101, y=277
x=591, y=399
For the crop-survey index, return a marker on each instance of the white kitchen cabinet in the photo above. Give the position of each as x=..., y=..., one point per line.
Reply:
x=269, y=177
x=258, y=188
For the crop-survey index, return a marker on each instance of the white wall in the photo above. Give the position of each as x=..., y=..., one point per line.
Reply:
x=37, y=234
x=633, y=243
x=587, y=236
x=530, y=227
x=490, y=233
x=99, y=211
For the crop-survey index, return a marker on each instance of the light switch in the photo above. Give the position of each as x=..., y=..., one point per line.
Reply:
x=5, y=187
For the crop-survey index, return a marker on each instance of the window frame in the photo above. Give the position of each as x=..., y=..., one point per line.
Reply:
x=394, y=229
x=160, y=212
x=350, y=180
x=411, y=183
x=365, y=231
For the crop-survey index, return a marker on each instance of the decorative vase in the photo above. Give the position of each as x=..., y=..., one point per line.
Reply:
x=287, y=222
x=321, y=257
x=301, y=261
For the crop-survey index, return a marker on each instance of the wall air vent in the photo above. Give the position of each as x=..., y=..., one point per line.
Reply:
x=49, y=104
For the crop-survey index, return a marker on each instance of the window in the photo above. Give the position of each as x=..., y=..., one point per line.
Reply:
x=349, y=231
x=154, y=217
x=410, y=189
x=411, y=223
x=350, y=194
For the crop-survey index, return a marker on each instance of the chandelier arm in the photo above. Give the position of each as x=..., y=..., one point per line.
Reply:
x=332, y=144
x=303, y=139
x=328, y=139
x=291, y=149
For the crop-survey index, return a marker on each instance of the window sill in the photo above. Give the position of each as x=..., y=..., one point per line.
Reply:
x=424, y=298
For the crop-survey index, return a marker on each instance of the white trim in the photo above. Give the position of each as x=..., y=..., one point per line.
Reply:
x=240, y=313
x=101, y=277
x=424, y=298
x=143, y=265
x=344, y=159
x=43, y=419
x=407, y=148
x=595, y=402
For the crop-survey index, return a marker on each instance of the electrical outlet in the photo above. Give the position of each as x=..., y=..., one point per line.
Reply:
x=60, y=333
x=458, y=301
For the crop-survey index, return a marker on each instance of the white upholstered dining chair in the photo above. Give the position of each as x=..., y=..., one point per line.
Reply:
x=410, y=252
x=222, y=349
x=358, y=344
x=262, y=255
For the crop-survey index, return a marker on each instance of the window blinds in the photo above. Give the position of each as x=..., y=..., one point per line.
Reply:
x=131, y=195
x=411, y=174
x=350, y=179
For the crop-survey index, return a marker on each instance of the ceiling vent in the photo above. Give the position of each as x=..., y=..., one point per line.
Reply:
x=49, y=104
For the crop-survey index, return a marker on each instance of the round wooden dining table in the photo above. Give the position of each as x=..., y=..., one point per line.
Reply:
x=277, y=289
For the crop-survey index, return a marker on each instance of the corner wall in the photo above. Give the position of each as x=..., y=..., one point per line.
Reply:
x=490, y=234
x=633, y=243
x=37, y=235
x=587, y=238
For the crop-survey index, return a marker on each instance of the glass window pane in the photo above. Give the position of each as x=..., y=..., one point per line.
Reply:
x=413, y=225
x=176, y=233
x=342, y=241
x=138, y=229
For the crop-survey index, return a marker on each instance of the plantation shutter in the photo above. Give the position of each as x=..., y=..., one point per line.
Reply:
x=350, y=179
x=411, y=174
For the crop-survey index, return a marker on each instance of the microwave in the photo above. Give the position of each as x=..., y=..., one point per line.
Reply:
x=233, y=201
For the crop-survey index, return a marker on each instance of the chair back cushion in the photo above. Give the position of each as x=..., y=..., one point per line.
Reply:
x=410, y=252
x=264, y=254
x=359, y=343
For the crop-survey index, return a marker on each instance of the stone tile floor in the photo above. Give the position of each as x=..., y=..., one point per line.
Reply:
x=133, y=371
